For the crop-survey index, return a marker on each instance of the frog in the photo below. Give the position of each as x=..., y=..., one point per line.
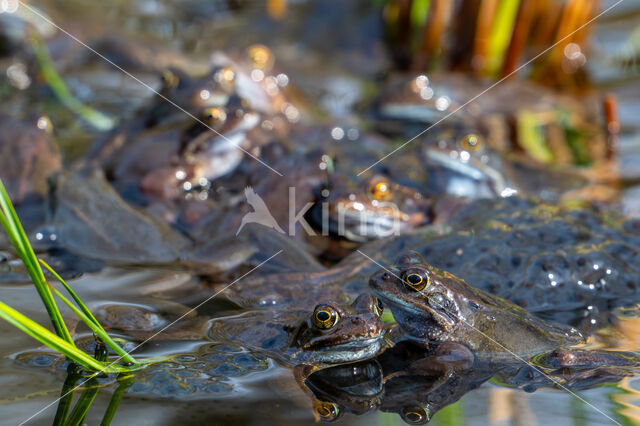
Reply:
x=569, y=264
x=197, y=129
x=302, y=287
x=329, y=334
x=528, y=130
x=374, y=208
x=431, y=304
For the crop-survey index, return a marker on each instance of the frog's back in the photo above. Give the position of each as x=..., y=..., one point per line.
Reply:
x=504, y=333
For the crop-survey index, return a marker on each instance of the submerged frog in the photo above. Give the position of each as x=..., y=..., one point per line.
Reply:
x=434, y=305
x=330, y=334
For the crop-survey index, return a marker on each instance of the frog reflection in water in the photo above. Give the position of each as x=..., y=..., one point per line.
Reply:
x=434, y=305
x=416, y=382
x=329, y=335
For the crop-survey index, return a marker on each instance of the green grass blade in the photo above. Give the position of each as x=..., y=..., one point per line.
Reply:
x=419, y=13
x=97, y=329
x=97, y=119
x=46, y=337
x=11, y=223
x=503, y=25
x=73, y=294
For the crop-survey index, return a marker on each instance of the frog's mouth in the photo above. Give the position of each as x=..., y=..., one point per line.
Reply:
x=354, y=349
x=359, y=222
x=411, y=309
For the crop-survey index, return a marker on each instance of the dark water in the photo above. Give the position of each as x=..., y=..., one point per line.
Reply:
x=330, y=50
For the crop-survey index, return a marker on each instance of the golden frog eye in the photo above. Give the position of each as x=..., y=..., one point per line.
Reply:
x=380, y=190
x=416, y=279
x=378, y=307
x=471, y=142
x=215, y=115
x=328, y=411
x=415, y=415
x=260, y=56
x=325, y=317
x=169, y=79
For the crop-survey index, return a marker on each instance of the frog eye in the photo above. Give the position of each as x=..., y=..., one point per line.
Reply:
x=260, y=56
x=416, y=279
x=380, y=190
x=325, y=317
x=471, y=142
x=215, y=114
x=415, y=415
x=379, y=309
x=169, y=79
x=328, y=411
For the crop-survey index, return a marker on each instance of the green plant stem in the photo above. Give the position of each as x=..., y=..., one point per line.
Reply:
x=96, y=328
x=73, y=294
x=10, y=222
x=97, y=119
x=48, y=338
x=503, y=26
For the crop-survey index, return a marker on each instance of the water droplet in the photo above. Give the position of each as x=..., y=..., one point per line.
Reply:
x=257, y=75
x=442, y=103
x=337, y=133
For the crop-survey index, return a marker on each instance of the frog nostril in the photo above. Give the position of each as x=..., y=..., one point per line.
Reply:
x=386, y=276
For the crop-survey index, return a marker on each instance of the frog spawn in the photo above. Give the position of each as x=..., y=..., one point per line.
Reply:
x=211, y=371
x=557, y=262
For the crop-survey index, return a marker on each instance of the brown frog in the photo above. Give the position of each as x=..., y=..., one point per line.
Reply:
x=434, y=305
x=374, y=208
x=328, y=334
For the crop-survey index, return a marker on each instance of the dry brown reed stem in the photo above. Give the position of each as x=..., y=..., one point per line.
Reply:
x=438, y=20
x=464, y=34
x=519, y=37
x=277, y=9
x=610, y=107
x=484, y=23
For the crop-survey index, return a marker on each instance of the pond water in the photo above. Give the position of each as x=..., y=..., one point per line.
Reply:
x=334, y=55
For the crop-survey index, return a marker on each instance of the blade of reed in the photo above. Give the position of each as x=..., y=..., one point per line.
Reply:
x=96, y=328
x=46, y=337
x=503, y=27
x=73, y=294
x=12, y=226
x=94, y=117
